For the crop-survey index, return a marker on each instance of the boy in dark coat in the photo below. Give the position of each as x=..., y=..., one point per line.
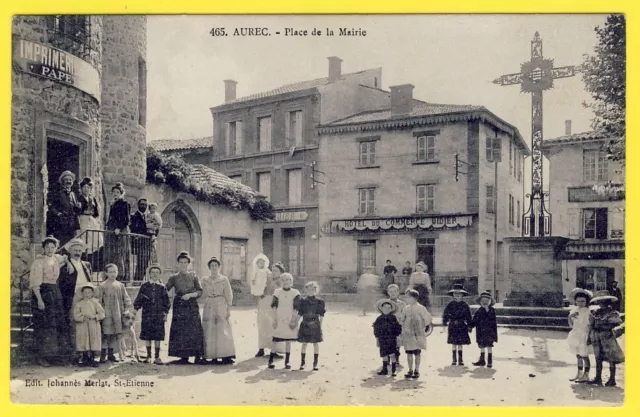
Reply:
x=153, y=299
x=386, y=329
x=603, y=321
x=484, y=320
x=457, y=315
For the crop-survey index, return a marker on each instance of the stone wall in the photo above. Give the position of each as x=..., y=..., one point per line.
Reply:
x=32, y=97
x=123, y=138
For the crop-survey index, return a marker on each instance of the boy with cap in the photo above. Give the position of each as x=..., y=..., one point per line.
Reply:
x=386, y=329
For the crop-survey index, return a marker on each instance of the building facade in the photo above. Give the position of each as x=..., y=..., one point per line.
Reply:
x=594, y=221
x=391, y=191
x=269, y=142
x=64, y=85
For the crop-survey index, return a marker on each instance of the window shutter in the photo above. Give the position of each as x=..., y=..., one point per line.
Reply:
x=371, y=202
x=601, y=223
x=298, y=131
x=497, y=149
x=422, y=148
x=362, y=196
x=372, y=153
x=575, y=220
x=288, y=134
x=227, y=138
x=239, y=138
x=489, y=149
x=363, y=153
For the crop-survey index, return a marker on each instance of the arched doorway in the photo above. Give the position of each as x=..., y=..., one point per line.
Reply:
x=180, y=232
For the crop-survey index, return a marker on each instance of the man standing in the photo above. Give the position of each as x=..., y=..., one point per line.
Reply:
x=615, y=291
x=389, y=272
x=73, y=276
x=64, y=208
x=141, y=245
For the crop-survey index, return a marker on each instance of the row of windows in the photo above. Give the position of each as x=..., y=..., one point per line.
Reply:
x=425, y=200
x=425, y=151
x=234, y=133
x=293, y=185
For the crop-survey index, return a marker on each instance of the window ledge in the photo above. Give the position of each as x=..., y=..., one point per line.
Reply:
x=367, y=166
x=429, y=162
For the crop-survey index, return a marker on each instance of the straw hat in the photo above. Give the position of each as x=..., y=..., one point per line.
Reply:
x=457, y=288
x=581, y=291
x=380, y=303
x=602, y=296
x=66, y=174
x=486, y=294
x=421, y=264
x=88, y=285
x=76, y=242
x=50, y=239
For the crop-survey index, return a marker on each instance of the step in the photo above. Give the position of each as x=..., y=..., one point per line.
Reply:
x=534, y=327
x=528, y=311
x=18, y=320
x=527, y=320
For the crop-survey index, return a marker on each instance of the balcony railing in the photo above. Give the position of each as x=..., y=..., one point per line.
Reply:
x=71, y=33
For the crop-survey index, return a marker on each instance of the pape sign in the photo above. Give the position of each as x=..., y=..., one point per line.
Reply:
x=403, y=223
x=57, y=65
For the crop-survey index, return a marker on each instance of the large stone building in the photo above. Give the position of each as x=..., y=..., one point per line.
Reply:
x=77, y=99
x=269, y=141
x=594, y=221
x=391, y=191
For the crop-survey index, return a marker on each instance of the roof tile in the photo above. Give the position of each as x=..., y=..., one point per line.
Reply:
x=179, y=144
x=419, y=109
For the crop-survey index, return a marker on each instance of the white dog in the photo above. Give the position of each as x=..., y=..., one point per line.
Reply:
x=128, y=338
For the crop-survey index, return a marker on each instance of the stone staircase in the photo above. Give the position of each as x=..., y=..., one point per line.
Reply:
x=22, y=340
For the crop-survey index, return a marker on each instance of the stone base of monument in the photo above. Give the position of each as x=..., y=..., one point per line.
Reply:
x=535, y=271
x=538, y=318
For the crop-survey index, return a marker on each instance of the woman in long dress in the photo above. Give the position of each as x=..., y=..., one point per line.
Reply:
x=186, y=337
x=263, y=284
x=117, y=246
x=89, y=215
x=421, y=282
x=218, y=296
x=50, y=321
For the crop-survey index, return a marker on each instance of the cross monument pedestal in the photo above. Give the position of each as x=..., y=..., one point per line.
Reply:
x=535, y=271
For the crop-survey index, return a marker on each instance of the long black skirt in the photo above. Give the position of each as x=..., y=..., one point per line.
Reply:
x=423, y=295
x=51, y=325
x=186, y=337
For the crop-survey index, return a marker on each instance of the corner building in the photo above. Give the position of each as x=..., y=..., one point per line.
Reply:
x=78, y=100
x=391, y=192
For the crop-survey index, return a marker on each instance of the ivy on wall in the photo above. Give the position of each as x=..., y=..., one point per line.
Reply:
x=173, y=171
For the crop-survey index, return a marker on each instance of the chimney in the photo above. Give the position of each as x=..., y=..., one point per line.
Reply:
x=401, y=99
x=229, y=90
x=567, y=127
x=335, y=68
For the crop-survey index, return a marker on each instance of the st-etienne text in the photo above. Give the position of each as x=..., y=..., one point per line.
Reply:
x=289, y=32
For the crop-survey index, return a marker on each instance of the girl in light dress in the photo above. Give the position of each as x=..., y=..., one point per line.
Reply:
x=579, y=334
x=285, y=324
x=218, y=296
x=415, y=320
x=263, y=283
x=87, y=314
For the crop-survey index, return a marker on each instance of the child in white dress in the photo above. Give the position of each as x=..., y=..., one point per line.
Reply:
x=577, y=339
x=87, y=314
x=285, y=324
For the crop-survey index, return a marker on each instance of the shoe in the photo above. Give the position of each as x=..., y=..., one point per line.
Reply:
x=409, y=375
x=315, y=368
x=158, y=361
x=146, y=360
x=460, y=363
x=383, y=372
x=271, y=366
x=481, y=362
x=596, y=381
x=227, y=361
x=260, y=353
x=301, y=367
x=112, y=358
x=454, y=363
x=610, y=383
x=584, y=377
x=575, y=378
x=287, y=366
x=94, y=364
x=416, y=375
x=183, y=361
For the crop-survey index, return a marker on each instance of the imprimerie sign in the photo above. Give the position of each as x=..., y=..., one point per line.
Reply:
x=55, y=64
x=400, y=223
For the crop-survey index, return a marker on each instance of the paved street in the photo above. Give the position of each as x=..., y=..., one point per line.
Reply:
x=530, y=368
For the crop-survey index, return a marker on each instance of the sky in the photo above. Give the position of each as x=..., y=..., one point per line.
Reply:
x=449, y=59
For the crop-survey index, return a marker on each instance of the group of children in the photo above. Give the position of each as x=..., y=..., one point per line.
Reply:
x=408, y=324
x=288, y=308
x=104, y=314
x=595, y=331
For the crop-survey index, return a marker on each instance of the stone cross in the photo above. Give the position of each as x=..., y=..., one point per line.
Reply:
x=534, y=77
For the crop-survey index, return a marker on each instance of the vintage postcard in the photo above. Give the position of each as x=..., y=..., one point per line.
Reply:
x=351, y=210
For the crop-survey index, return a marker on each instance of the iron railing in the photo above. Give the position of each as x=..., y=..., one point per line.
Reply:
x=71, y=33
